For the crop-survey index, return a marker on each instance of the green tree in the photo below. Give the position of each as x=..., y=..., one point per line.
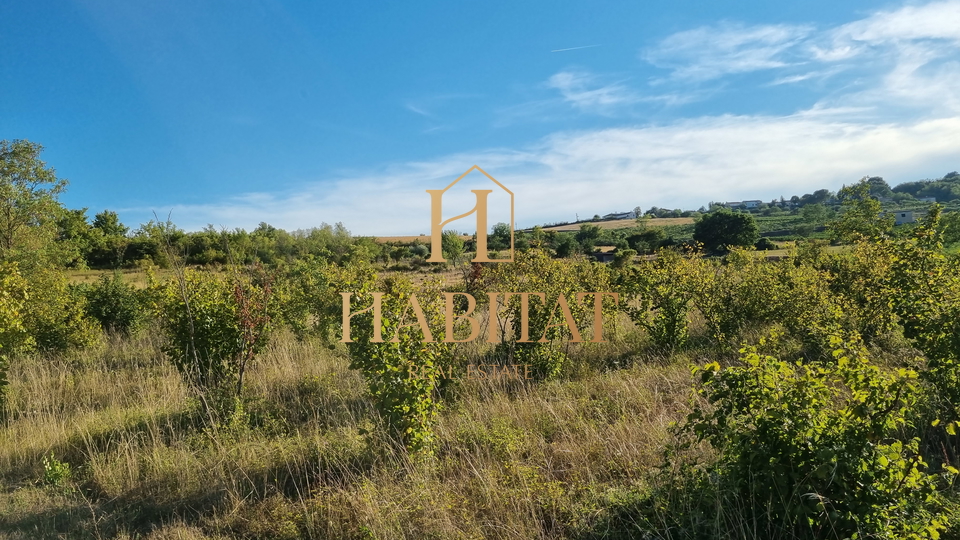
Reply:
x=29, y=208
x=500, y=238
x=452, y=245
x=816, y=214
x=722, y=229
x=862, y=216
x=109, y=223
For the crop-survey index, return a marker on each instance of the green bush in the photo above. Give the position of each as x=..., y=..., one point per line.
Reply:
x=13, y=297
x=118, y=307
x=404, y=372
x=805, y=451
x=215, y=324
x=661, y=292
x=764, y=244
x=55, y=314
x=535, y=272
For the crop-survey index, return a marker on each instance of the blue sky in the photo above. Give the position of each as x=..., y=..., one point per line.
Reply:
x=297, y=113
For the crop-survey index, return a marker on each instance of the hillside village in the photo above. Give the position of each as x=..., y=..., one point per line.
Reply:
x=908, y=197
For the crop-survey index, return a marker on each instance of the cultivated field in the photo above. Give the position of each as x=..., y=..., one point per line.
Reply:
x=623, y=223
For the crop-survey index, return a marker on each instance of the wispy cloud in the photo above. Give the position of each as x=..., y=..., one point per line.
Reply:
x=584, y=91
x=684, y=165
x=709, y=52
x=418, y=110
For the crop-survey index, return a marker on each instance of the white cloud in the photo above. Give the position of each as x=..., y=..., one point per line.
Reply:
x=709, y=52
x=584, y=91
x=936, y=20
x=684, y=165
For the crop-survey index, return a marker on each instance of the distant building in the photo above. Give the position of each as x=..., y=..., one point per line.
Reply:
x=927, y=199
x=621, y=215
x=733, y=204
x=752, y=204
x=604, y=254
x=904, y=216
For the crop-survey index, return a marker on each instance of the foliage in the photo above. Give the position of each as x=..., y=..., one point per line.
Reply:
x=943, y=189
x=117, y=306
x=452, y=246
x=538, y=330
x=13, y=297
x=55, y=472
x=499, y=237
x=816, y=214
x=215, y=324
x=862, y=216
x=28, y=202
x=723, y=229
x=406, y=371
x=925, y=287
x=662, y=290
x=55, y=314
x=309, y=294
x=623, y=257
x=809, y=451
x=764, y=244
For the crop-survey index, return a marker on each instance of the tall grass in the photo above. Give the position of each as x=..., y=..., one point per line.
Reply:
x=307, y=458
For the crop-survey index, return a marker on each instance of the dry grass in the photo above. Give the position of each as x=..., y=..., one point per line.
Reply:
x=309, y=459
x=133, y=276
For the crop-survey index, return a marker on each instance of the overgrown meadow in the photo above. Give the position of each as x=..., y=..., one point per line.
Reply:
x=814, y=396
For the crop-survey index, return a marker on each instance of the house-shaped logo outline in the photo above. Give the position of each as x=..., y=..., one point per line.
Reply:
x=481, y=236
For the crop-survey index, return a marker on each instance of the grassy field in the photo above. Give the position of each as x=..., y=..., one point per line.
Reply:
x=517, y=461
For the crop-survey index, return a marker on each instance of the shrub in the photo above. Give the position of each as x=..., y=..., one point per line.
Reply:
x=764, y=244
x=118, y=307
x=55, y=314
x=806, y=451
x=535, y=272
x=13, y=297
x=662, y=290
x=404, y=373
x=215, y=324
x=309, y=294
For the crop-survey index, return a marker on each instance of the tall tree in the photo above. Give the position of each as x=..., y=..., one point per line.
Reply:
x=28, y=200
x=862, y=216
x=722, y=229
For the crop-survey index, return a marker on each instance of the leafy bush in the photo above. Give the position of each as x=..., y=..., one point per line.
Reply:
x=118, y=307
x=662, y=290
x=55, y=314
x=13, y=296
x=55, y=472
x=535, y=272
x=764, y=244
x=215, y=324
x=405, y=371
x=805, y=451
x=309, y=294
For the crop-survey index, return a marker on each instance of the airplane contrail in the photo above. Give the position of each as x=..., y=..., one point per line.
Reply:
x=575, y=48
